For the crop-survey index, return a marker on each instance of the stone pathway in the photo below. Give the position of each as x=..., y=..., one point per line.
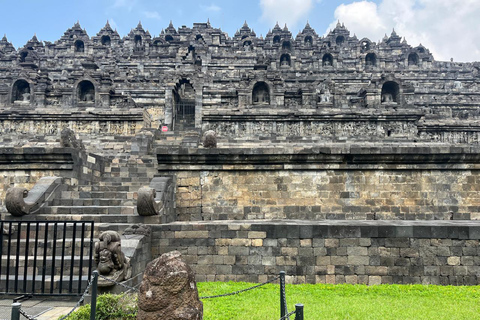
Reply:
x=45, y=308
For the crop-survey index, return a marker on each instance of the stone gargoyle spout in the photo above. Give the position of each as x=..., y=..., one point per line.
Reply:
x=19, y=201
x=152, y=200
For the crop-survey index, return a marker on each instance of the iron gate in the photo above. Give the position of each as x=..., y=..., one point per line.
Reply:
x=185, y=109
x=45, y=257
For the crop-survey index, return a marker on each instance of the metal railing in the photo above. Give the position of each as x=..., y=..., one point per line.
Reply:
x=45, y=257
x=185, y=109
x=284, y=314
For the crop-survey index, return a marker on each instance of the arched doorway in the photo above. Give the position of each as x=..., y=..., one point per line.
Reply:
x=184, y=102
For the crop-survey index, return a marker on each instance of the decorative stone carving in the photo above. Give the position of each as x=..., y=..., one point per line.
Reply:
x=146, y=203
x=169, y=291
x=153, y=199
x=210, y=139
x=139, y=229
x=19, y=201
x=111, y=261
x=69, y=140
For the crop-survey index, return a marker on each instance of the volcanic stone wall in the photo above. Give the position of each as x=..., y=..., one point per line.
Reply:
x=331, y=194
x=368, y=252
x=423, y=182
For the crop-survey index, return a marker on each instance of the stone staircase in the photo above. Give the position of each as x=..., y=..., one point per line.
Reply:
x=56, y=262
x=110, y=200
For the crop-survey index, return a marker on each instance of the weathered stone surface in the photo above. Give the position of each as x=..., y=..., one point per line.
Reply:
x=111, y=261
x=146, y=204
x=19, y=201
x=140, y=229
x=169, y=290
x=210, y=139
x=69, y=140
x=229, y=253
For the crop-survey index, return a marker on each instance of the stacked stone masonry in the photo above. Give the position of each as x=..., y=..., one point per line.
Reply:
x=332, y=151
x=327, y=252
x=335, y=87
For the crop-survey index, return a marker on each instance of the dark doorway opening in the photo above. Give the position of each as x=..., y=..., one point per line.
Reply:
x=184, y=104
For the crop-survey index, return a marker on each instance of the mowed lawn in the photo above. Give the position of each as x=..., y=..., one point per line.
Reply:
x=343, y=301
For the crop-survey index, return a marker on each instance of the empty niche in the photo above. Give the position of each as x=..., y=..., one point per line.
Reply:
x=138, y=41
x=371, y=59
x=85, y=91
x=79, y=46
x=308, y=41
x=106, y=40
x=286, y=45
x=276, y=39
x=23, y=56
x=21, y=91
x=168, y=38
x=340, y=40
x=413, y=59
x=261, y=93
x=285, y=60
x=327, y=60
x=390, y=92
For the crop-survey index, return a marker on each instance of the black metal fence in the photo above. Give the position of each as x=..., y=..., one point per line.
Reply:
x=185, y=109
x=45, y=257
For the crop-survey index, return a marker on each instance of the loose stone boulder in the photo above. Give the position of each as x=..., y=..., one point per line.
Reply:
x=169, y=291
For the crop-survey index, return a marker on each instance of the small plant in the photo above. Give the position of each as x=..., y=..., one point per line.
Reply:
x=109, y=307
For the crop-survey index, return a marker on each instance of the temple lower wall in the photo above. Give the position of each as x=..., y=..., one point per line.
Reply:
x=369, y=252
x=329, y=194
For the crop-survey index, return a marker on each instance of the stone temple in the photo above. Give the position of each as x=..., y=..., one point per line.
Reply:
x=336, y=158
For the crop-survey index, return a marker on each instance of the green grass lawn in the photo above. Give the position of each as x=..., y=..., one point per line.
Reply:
x=343, y=301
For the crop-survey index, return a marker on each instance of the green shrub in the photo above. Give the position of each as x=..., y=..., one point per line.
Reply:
x=109, y=307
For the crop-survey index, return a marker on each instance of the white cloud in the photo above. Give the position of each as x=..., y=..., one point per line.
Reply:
x=152, y=15
x=113, y=24
x=285, y=11
x=211, y=8
x=447, y=27
x=124, y=4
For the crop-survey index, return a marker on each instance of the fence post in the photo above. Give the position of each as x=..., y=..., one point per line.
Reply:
x=299, y=311
x=283, y=307
x=16, y=311
x=93, y=303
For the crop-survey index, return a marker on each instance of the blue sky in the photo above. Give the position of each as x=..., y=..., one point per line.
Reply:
x=447, y=27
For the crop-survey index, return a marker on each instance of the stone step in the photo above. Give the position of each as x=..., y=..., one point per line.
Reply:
x=47, y=284
x=89, y=210
x=40, y=264
x=136, y=179
x=116, y=187
x=96, y=218
x=86, y=193
x=40, y=246
x=92, y=202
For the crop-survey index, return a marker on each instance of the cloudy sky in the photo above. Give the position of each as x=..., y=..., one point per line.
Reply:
x=449, y=28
